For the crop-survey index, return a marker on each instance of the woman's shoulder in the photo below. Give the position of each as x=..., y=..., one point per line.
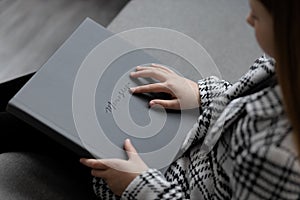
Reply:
x=265, y=126
x=266, y=103
x=265, y=120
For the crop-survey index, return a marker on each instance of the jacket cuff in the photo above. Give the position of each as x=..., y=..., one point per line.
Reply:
x=210, y=88
x=146, y=186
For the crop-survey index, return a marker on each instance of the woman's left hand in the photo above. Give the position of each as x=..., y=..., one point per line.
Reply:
x=117, y=173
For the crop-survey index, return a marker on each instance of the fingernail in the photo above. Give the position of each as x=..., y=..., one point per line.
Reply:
x=151, y=103
x=127, y=140
x=131, y=90
x=132, y=73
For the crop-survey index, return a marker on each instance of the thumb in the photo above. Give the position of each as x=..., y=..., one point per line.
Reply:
x=129, y=148
x=168, y=104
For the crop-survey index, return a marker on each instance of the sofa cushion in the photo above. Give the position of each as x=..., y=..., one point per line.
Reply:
x=32, y=30
x=31, y=176
x=218, y=25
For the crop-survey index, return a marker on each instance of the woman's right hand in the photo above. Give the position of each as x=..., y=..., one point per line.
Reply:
x=184, y=92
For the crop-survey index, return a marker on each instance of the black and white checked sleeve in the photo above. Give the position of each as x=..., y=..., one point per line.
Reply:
x=152, y=185
x=211, y=88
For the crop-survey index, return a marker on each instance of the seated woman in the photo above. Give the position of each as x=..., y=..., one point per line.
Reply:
x=246, y=143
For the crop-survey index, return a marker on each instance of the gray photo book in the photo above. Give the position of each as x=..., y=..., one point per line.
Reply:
x=82, y=102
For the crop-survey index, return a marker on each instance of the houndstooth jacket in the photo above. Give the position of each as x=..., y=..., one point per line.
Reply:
x=241, y=147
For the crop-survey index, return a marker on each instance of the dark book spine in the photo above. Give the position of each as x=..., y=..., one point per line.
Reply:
x=51, y=133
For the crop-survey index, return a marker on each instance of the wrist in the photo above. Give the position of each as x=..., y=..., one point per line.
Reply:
x=196, y=94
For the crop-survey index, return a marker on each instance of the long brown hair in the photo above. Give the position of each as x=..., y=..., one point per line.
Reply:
x=286, y=16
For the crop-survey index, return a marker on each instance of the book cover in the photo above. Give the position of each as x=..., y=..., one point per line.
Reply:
x=82, y=102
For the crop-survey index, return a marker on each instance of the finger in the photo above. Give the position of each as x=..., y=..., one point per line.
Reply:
x=161, y=67
x=149, y=73
x=157, y=69
x=130, y=150
x=93, y=163
x=141, y=68
x=155, y=87
x=168, y=104
x=114, y=163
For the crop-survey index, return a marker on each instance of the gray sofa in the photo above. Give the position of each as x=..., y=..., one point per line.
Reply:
x=218, y=25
